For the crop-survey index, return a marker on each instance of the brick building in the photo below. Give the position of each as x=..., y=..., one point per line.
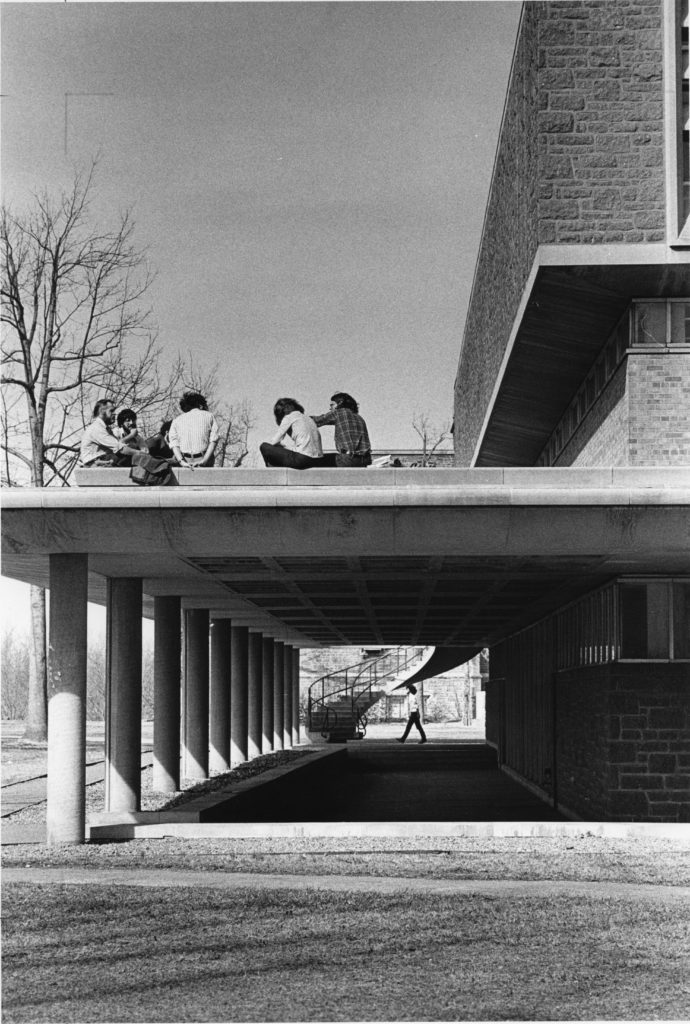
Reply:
x=576, y=353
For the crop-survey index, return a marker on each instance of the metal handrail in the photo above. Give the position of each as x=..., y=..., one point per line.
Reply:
x=345, y=681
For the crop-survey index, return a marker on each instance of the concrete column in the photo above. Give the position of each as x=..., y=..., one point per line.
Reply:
x=278, y=681
x=219, y=713
x=66, y=818
x=267, y=696
x=239, y=695
x=195, y=738
x=123, y=696
x=295, y=696
x=255, y=652
x=166, y=694
x=287, y=697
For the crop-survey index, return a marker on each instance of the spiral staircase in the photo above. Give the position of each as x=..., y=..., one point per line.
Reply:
x=338, y=702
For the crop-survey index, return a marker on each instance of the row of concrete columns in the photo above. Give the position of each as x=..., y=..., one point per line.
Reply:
x=222, y=695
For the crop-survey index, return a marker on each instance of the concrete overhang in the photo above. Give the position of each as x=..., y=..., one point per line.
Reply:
x=445, y=557
x=574, y=297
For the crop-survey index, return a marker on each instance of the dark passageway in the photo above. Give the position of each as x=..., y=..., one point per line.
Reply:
x=384, y=781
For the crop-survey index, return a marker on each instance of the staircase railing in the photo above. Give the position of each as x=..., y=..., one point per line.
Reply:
x=355, y=684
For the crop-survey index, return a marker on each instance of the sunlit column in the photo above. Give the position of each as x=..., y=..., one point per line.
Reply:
x=65, y=815
x=278, y=678
x=167, y=682
x=287, y=697
x=195, y=740
x=238, y=695
x=254, y=694
x=219, y=698
x=123, y=696
x=267, y=696
x=295, y=696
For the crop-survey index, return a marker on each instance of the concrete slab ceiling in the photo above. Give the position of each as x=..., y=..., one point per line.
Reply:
x=354, y=557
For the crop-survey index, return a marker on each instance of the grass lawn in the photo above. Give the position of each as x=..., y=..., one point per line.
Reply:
x=96, y=953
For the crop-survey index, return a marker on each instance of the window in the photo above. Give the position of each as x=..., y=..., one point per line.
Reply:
x=655, y=620
x=677, y=120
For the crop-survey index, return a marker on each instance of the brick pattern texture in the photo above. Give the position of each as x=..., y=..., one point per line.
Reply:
x=580, y=160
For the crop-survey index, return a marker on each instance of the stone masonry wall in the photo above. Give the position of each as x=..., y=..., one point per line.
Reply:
x=579, y=161
x=601, y=153
x=508, y=246
x=624, y=742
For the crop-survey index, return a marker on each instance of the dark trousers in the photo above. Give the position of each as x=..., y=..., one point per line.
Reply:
x=277, y=455
x=414, y=719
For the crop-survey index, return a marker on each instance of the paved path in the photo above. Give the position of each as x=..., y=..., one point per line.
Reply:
x=167, y=878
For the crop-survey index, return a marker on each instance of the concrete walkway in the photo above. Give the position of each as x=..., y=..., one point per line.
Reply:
x=167, y=878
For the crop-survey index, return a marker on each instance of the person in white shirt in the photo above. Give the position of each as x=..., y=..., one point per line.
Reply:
x=99, y=446
x=194, y=435
x=297, y=443
x=413, y=715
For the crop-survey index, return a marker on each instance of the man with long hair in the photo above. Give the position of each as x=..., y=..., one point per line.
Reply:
x=351, y=437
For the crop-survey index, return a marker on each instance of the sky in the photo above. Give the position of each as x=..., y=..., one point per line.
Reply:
x=309, y=179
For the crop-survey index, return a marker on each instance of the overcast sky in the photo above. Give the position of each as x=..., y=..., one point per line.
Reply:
x=309, y=178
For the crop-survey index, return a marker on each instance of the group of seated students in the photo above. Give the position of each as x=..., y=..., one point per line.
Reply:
x=190, y=439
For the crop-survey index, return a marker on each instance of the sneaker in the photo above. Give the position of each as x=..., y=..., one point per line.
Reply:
x=399, y=740
x=423, y=741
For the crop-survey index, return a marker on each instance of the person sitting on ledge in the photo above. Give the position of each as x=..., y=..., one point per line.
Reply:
x=297, y=444
x=351, y=435
x=99, y=446
x=194, y=435
x=128, y=432
x=158, y=445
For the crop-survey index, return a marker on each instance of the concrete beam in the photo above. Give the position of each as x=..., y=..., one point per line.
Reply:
x=287, y=697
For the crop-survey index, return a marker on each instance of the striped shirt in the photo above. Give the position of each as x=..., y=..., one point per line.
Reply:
x=193, y=431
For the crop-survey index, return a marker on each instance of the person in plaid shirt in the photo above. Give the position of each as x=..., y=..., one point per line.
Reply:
x=351, y=436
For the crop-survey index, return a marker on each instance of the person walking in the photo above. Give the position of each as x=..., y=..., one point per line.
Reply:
x=193, y=435
x=413, y=717
x=297, y=443
x=351, y=437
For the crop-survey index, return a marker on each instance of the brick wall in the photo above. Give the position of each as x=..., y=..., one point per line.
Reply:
x=602, y=437
x=659, y=403
x=580, y=160
x=642, y=418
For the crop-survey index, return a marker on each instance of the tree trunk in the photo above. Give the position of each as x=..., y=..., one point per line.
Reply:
x=36, y=728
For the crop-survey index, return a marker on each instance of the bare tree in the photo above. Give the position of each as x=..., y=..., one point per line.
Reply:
x=74, y=327
x=432, y=434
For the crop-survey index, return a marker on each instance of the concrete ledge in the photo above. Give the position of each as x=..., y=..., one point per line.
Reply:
x=400, y=829
x=192, y=810
x=575, y=477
